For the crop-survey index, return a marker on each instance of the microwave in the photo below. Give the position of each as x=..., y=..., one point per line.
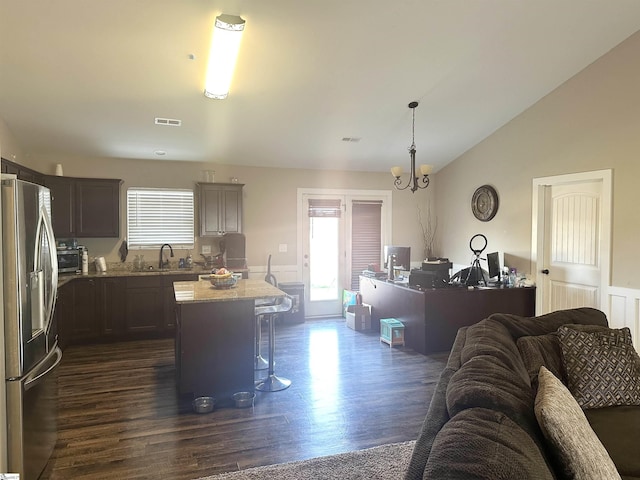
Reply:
x=70, y=260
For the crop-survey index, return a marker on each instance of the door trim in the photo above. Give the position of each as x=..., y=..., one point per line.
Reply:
x=537, y=226
x=387, y=209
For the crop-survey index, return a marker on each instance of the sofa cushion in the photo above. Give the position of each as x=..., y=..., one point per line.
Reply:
x=486, y=382
x=603, y=369
x=618, y=428
x=542, y=350
x=485, y=444
x=550, y=322
x=580, y=453
x=437, y=414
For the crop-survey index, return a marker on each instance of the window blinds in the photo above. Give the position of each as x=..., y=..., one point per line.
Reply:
x=366, y=228
x=157, y=216
x=324, y=208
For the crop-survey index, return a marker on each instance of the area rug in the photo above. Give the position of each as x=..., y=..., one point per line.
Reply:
x=386, y=462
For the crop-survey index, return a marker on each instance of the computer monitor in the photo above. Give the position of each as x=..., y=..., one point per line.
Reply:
x=403, y=256
x=493, y=263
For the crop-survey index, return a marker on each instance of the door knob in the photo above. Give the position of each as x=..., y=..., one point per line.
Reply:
x=545, y=271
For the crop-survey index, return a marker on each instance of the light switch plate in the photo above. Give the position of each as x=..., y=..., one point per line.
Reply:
x=206, y=249
x=282, y=248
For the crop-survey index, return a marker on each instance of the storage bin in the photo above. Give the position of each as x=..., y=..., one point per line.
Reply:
x=348, y=298
x=359, y=317
x=391, y=331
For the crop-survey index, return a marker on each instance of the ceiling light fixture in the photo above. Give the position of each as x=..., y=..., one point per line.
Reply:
x=225, y=44
x=414, y=181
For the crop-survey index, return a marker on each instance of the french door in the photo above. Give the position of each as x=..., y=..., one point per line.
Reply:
x=335, y=246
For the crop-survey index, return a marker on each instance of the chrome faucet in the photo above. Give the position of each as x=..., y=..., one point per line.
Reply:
x=164, y=263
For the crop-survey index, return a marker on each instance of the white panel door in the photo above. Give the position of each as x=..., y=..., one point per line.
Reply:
x=571, y=261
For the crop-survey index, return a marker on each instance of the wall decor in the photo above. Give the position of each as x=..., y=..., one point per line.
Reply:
x=484, y=203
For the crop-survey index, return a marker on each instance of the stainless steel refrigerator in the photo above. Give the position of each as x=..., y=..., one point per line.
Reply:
x=30, y=278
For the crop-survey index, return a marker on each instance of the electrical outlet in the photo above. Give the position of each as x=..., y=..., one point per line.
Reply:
x=206, y=249
x=282, y=248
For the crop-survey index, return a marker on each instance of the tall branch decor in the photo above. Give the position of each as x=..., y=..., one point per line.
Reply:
x=428, y=225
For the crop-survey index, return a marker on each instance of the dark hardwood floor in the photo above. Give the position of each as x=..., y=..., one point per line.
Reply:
x=120, y=416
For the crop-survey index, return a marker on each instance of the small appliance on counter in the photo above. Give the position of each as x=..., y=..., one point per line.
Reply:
x=70, y=257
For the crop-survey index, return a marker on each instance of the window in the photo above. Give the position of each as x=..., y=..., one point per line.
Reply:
x=156, y=216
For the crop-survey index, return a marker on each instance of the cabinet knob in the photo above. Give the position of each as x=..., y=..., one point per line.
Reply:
x=545, y=271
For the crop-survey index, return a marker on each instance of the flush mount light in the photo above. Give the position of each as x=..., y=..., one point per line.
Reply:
x=414, y=182
x=225, y=44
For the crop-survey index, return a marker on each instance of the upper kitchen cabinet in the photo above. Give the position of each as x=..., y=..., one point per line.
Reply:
x=220, y=208
x=85, y=207
x=23, y=173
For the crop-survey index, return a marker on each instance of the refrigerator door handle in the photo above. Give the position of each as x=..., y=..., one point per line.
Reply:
x=33, y=378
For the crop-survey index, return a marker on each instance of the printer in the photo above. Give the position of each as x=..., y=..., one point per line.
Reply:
x=433, y=274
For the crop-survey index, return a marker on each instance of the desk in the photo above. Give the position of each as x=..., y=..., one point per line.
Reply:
x=215, y=336
x=432, y=317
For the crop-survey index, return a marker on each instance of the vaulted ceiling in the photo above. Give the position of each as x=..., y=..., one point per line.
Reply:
x=318, y=84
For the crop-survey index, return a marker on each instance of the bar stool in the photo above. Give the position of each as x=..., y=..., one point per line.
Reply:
x=260, y=363
x=261, y=312
x=273, y=383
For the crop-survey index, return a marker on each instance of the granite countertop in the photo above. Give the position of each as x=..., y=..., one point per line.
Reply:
x=67, y=277
x=203, y=292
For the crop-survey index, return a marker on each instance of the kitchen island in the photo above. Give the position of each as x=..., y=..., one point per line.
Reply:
x=215, y=336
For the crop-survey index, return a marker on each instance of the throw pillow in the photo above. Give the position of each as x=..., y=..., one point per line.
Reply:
x=602, y=367
x=566, y=428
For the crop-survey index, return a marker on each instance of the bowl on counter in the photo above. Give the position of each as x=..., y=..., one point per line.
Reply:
x=223, y=281
x=244, y=399
x=203, y=404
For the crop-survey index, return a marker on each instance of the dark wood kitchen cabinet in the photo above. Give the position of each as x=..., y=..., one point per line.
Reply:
x=220, y=208
x=23, y=173
x=144, y=304
x=85, y=207
x=62, y=204
x=99, y=309
x=168, y=297
x=76, y=311
x=89, y=310
x=111, y=306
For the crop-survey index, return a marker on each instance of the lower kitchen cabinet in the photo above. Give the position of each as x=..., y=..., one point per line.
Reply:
x=144, y=305
x=76, y=313
x=99, y=309
x=169, y=312
x=111, y=308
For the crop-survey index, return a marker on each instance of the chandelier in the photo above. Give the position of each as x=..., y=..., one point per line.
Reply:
x=415, y=182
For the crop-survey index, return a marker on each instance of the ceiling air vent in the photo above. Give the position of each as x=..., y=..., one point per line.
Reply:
x=168, y=121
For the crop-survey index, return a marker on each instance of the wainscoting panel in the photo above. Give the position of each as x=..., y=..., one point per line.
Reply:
x=283, y=273
x=623, y=310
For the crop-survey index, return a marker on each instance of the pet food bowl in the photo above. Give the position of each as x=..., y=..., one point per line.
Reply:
x=203, y=404
x=244, y=399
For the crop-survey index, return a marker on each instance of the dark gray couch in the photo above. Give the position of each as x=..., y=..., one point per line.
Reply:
x=481, y=422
